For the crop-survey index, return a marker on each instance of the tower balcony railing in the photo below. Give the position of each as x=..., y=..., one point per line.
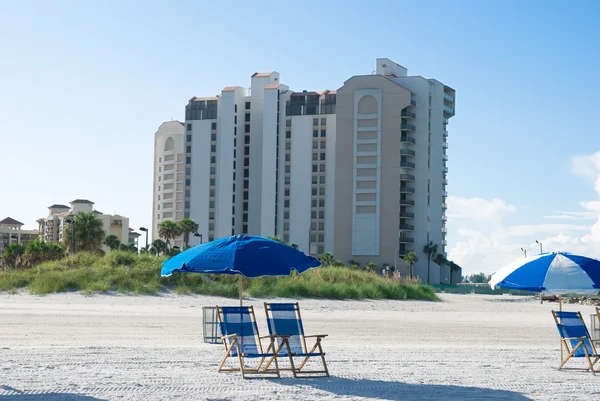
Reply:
x=408, y=114
x=407, y=152
x=408, y=127
x=406, y=164
x=407, y=177
x=406, y=227
x=406, y=189
x=407, y=138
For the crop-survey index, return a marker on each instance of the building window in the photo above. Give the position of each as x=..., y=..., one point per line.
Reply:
x=288, y=134
x=246, y=162
x=247, y=130
x=247, y=105
x=187, y=204
x=322, y=191
x=212, y=182
x=213, y=159
x=286, y=215
x=322, y=179
x=315, y=156
x=322, y=168
x=188, y=171
x=246, y=150
x=188, y=138
x=213, y=126
x=314, y=168
x=313, y=214
x=314, y=179
x=188, y=160
x=213, y=137
x=247, y=117
x=313, y=203
x=286, y=203
x=246, y=173
x=321, y=202
x=211, y=204
x=187, y=182
x=315, y=145
x=247, y=140
x=321, y=214
x=314, y=192
x=246, y=184
x=188, y=149
x=315, y=133
x=287, y=180
x=235, y=119
x=288, y=145
x=315, y=122
x=187, y=194
x=288, y=122
x=213, y=148
x=323, y=133
x=323, y=121
x=189, y=127
x=245, y=207
x=323, y=144
x=322, y=157
x=213, y=171
x=288, y=157
x=211, y=226
x=287, y=169
x=245, y=195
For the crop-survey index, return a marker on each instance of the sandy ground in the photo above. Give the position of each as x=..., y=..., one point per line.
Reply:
x=467, y=347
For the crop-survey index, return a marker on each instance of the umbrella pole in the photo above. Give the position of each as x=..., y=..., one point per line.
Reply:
x=561, y=343
x=241, y=289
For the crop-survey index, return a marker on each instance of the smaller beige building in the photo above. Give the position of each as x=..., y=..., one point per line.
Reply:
x=11, y=232
x=53, y=226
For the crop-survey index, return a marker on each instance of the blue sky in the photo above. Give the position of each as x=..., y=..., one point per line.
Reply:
x=86, y=84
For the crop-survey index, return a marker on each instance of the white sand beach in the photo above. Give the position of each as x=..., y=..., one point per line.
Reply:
x=115, y=347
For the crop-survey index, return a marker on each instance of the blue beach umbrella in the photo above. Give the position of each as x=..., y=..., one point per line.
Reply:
x=556, y=273
x=246, y=255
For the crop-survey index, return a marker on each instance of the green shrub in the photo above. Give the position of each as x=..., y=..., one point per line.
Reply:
x=130, y=273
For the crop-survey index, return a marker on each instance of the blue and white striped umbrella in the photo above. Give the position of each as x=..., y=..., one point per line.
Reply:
x=556, y=273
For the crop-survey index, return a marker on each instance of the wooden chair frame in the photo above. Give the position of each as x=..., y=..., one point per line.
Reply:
x=592, y=358
x=306, y=352
x=231, y=343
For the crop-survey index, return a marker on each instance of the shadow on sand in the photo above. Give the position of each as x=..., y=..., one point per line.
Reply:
x=390, y=390
x=18, y=395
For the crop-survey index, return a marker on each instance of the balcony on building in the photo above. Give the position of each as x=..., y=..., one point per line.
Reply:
x=407, y=152
x=201, y=109
x=406, y=239
x=407, y=164
x=311, y=103
x=448, y=111
x=407, y=177
x=413, y=100
x=408, y=114
x=405, y=189
x=407, y=127
x=406, y=215
x=407, y=138
x=406, y=227
x=406, y=202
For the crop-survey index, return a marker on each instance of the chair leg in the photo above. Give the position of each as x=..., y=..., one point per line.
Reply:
x=323, y=359
x=289, y=352
x=570, y=355
x=227, y=355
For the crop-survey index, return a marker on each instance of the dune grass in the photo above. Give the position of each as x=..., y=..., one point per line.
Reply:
x=129, y=273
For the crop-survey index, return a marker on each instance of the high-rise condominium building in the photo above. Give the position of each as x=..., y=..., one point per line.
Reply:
x=359, y=172
x=169, y=176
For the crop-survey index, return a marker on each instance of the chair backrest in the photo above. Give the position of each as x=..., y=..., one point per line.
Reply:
x=570, y=325
x=240, y=320
x=285, y=319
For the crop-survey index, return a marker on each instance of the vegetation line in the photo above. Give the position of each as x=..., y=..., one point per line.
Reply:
x=131, y=273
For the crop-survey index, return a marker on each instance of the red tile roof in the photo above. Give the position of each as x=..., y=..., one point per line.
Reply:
x=57, y=206
x=229, y=88
x=261, y=74
x=201, y=99
x=273, y=86
x=83, y=201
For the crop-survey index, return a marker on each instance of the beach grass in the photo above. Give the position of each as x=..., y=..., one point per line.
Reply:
x=129, y=273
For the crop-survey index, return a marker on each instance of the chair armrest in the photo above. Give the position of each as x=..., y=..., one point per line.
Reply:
x=229, y=336
x=317, y=336
x=576, y=338
x=274, y=336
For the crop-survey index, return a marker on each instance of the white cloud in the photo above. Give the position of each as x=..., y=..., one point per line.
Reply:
x=478, y=209
x=492, y=246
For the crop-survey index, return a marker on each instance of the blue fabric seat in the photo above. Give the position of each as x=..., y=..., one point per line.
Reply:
x=575, y=337
x=242, y=340
x=285, y=322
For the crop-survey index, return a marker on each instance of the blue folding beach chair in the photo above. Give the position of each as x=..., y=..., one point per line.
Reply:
x=284, y=320
x=241, y=339
x=575, y=338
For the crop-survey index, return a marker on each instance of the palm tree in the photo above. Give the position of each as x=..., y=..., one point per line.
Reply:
x=429, y=249
x=158, y=247
x=411, y=258
x=327, y=259
x=187, y=226
x=168, y=230
x=112, y=242
x=89, y=233
x=439, y=260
